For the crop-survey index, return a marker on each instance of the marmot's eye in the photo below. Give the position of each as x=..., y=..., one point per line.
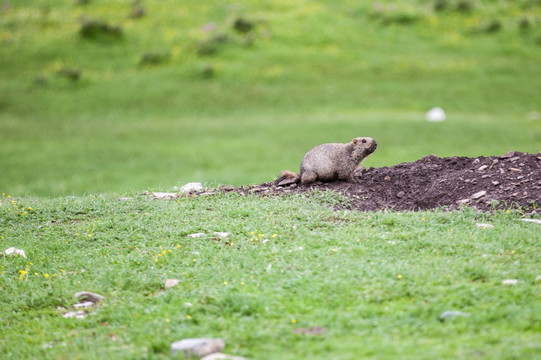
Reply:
x=364, y=141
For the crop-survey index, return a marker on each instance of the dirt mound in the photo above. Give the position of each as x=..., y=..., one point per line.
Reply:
x=495, y=182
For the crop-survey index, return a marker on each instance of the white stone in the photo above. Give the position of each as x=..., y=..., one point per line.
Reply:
x=83, y=305
x=220, y=356
x=164, y=195
x=478, y=195
x=485, y=226
x=89, y=296
x=81, y=314
x=451, y=314
x=509, y=282
x=197, y=347
x=15, y=251
x=193, y=186
x=532, y=221
x=171, y=282
x=196, y=235
x=221, y=234
x=435, y=114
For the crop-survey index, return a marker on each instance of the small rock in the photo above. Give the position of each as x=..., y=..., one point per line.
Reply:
x=451, y=314
x=509, y=282
x=485, y=226
x=14, y=251
x=84, y=305
x=387, y=178
x=89, y=296
x=495, y=183
x=286, y=182
x=317, y=330
x=435, y=115
x=163, y=195
x=81, y=314
x=536, y=221
x=171, y=282
x=515, y=169
x=483, y=167
x=196, y=235
x=193, y=186
x=463, y=201
x=220, y=356
x=400, y=194
x=197, y=347
x=221, y=234
x=478, y=195
x=507, y=155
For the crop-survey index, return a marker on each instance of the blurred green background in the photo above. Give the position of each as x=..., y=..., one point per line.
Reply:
x=119, y=96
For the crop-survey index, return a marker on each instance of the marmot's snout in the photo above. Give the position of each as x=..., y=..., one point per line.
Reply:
x=373, y=147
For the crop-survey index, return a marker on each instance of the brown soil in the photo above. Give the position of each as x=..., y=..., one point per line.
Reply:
x=512, y=180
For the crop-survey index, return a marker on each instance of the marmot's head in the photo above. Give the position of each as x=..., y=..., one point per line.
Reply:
x=366, y=144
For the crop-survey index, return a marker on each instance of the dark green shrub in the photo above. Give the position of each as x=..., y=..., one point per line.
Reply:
x=71, y=74
x=464, y=6
x=212, y=45
x=92, y=29
x=153, y=58
x=441, y=5
x=243, y=26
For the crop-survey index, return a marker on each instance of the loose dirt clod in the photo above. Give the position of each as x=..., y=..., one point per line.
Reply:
x=434, y=182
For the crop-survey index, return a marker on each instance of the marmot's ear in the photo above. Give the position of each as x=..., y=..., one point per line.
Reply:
x=355, y=141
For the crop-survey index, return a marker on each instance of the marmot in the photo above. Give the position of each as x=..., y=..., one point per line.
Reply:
x=328, y=162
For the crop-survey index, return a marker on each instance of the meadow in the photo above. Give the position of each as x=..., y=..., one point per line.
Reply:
x=102, y=100
x=374, y=284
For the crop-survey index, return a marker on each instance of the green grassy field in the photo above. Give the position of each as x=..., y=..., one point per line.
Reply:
x=179, y=95
x=376, y=283
x=95, y=102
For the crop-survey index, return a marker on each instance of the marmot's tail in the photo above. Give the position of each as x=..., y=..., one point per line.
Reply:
x=287, y=178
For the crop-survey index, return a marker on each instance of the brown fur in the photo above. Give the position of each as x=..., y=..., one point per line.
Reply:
x=329, y=162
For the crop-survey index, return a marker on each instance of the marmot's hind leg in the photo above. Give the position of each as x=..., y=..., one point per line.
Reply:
x=308, y=177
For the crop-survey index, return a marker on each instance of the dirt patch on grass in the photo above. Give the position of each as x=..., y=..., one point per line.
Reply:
x=488, y=183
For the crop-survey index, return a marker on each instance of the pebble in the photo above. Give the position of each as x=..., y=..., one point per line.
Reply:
x=15, y=251
x=451, y=314
x=220, y=356
x=197, y=347
x=536, y=221
x=81, y=314
x=193, y=186
x=84, y=304
x=485, y=226
x=507, y=155
x=89, y=296
x=509, y=282
x=196, y=235
x=478, y=195
x=163, y=195
x=483, y=167
x=221, y=234
x=171, y=282
x=435, y=115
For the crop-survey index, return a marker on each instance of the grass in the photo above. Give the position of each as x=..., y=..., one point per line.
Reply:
x=376, y=282
x=87, y=114
x=95, y=101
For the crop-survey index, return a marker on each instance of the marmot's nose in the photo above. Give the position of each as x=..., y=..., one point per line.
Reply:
x=375, y=143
